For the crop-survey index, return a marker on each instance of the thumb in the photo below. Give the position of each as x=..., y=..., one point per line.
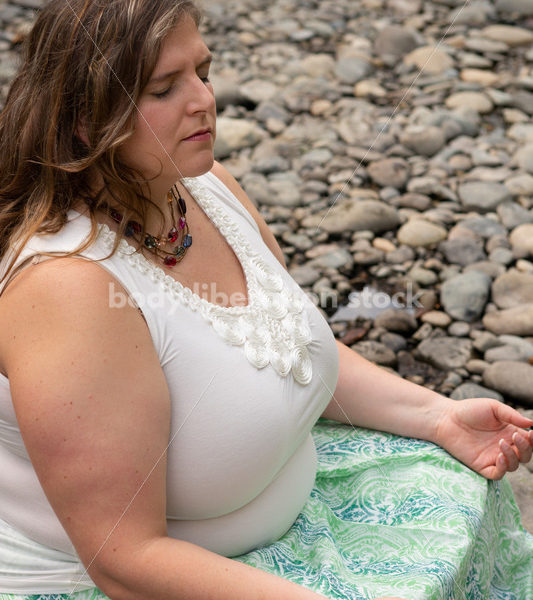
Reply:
x=506, y=414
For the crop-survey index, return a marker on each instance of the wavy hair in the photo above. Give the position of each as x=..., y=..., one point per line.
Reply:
x=85, y=62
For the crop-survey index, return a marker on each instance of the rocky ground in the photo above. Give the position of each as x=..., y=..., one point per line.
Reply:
x=389, y=145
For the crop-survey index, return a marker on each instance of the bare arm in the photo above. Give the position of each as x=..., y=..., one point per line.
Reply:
x=93, y=408
x=485, y=434
x=369, y=396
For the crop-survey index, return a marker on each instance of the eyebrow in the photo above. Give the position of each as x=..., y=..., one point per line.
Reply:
x=207, y=60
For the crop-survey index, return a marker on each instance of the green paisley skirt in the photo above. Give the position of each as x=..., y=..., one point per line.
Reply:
x=392, y=516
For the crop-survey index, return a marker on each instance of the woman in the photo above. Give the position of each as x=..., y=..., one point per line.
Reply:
x=161, y=372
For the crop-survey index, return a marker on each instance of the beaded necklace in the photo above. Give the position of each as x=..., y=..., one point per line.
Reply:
x=178, y=234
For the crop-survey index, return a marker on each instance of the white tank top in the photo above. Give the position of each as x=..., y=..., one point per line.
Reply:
x=246, y=384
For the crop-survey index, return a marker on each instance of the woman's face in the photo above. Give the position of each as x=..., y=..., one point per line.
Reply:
x=176, y=118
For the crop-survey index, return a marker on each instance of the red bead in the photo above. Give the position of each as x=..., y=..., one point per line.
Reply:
x=172, y=235
x=116, y=216
x=170, y=261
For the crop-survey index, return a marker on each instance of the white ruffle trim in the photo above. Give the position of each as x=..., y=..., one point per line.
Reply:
x=272, y=328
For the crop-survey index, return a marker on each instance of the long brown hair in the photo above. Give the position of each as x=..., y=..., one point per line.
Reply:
x=85, y=63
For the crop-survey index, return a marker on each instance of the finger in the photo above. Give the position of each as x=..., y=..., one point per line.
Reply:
x=507, y=414
x=496, y=471
x=521, y=441
x=509, y=455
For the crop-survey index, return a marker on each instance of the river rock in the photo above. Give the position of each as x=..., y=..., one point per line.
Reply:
x=356, y=215
x=483, y=226
x=521, y=132
x=520, y=7
x=437, y=318
x=514, y=321
x=464, y=297
x=512, y=214
x=236, y=134
x=339, y=258
x=446, y=353
x=304, y=274
x=512, y=379
x=521, y=239
x=392, y=172
x=524, y=158
x=426, y=141
x=350, y=69
x=317, y=65
x=513, y=288
x=482, y=76
x=398, y=321
x=473, y=390
x=429, y=60
x=478, y=101
x=471, y=14
x=419, y=232
x=508, y=352
x=524, y=101
x=393, y=42
x=376, y=352
x=482, y=196
x=463, y=251
x=509, y=34
x=520, y=185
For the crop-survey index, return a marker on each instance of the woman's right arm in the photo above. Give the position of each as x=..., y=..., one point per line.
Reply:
x=93, y=407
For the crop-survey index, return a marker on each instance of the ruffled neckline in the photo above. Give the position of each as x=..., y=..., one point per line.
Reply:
x=272, y=327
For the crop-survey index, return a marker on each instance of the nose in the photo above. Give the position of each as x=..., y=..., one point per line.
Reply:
x=201, y=98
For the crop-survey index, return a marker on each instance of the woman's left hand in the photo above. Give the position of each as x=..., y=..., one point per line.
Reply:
x=486, y=435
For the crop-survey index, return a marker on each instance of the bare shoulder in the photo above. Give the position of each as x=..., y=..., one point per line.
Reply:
x=233, y=185
x=67, y=299
x=91, y=401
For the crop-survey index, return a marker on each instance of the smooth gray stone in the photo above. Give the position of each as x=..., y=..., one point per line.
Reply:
x=446, y=353
x=375, y=352
x=508, y=352
x=393, y=42
x=304, y=274
x=483, y=226
x=523, y=8
x=514, y=321
x=513, y=379
x=513, y=288
x=398, y=321
x=351, y=70
x=491, y=269
x=463, y=251
x=333, y=260
x=464, y=297
x=356, y=215
x=393, y=172
x=512, y=214
x=426, y=141
x=481, y=196
x=474, y=390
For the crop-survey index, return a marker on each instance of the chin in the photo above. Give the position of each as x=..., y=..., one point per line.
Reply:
x=201, y=167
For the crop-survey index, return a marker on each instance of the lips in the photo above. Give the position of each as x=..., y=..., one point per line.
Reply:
x=200, y=135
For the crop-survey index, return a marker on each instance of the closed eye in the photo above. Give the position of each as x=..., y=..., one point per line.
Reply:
x=162, y=94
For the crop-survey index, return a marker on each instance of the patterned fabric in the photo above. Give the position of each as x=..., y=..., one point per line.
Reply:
x=396, y=516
